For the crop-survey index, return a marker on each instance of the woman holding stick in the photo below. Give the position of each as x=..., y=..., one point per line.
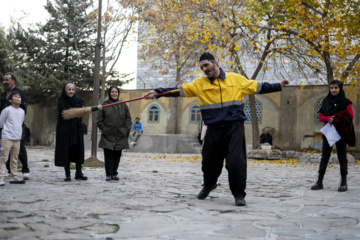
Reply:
x=69, y=145
x=336, y=109
x=114, y=123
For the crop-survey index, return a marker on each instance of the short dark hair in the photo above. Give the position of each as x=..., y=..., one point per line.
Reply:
x=12, y=76
x=207, y=56
x=12, y=94
x=137, y=118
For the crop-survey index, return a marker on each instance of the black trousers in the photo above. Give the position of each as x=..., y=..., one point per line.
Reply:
x=226, y=142
x=112, y=161
x=341, y=153
x=78, y=170
x=74, y=157
x=23, y=158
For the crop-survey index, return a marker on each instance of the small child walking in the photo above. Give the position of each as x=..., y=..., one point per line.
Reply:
x=11, y=120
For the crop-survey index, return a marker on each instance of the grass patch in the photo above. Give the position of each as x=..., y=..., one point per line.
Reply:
x=93, y=165
x=90, y=165
x=45, y=160
x=46, y=165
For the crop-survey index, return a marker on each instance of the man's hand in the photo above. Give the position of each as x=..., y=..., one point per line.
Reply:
x=150, y=95
x=332, y=120
x=284, y=83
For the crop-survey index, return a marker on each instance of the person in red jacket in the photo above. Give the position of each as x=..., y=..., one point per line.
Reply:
x=334, y=103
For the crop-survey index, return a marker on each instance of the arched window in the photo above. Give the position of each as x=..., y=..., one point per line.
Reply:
x=153, y=113
x=195, y=113
x=319, y=104
x=248, y=112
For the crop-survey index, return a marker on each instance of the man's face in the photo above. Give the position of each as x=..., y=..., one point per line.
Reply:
x=137, y=120
x=8, y=82
x=208, y=67
x=266, y=131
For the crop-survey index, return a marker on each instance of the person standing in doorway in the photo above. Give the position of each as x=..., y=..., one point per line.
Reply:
x=9, y=83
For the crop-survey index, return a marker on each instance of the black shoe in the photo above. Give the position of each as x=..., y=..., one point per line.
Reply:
x=67, y=179
x=108, y=178
x=317, y=186
x=80, y=177
x=116, y=178
x=204, y=192
x=343, y=186
x=240, y=201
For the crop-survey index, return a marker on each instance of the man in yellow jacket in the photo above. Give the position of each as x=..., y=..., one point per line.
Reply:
x=221, y=100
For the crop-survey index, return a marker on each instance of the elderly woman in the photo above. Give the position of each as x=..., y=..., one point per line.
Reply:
x=69, y=134
x=114, y=123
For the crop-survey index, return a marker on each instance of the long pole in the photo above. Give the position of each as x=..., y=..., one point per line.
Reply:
x=96, y=85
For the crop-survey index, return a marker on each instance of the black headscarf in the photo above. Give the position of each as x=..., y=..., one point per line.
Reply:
x=109, y=93
x=333, y=104
x=70, y=102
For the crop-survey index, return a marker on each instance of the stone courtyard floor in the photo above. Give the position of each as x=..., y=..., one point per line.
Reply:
x=156, y=199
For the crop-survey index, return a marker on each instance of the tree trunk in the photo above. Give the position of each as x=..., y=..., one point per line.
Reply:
x=329, y=68
x=37, y=124
x=254, y=122
x=176, y=105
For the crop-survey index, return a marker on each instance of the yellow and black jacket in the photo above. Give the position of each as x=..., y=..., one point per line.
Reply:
x=221, y=99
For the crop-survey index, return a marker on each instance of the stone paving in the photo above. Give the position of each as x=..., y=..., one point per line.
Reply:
x=156, y=199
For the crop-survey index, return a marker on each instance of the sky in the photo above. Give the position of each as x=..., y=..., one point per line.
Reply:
x=34, y=12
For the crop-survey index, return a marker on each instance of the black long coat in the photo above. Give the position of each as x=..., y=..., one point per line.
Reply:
x=69, y=145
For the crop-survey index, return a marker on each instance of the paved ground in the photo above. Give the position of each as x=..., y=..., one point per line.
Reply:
x=156, y=199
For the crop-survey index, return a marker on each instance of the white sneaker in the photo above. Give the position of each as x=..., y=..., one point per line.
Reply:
x=133, y=143
x=26, y=176
x=17, y=181
x=2, y=183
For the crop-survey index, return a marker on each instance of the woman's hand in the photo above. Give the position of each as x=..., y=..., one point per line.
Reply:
x=332, y=119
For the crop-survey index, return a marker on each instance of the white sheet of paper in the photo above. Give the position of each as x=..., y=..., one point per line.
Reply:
x=330, y=133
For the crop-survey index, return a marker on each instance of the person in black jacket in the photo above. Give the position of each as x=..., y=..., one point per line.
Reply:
x=266, y=137
x=334, y=103
x=69, y=145
x=9, y=82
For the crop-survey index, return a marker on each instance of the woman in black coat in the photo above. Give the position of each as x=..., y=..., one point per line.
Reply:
x=69, y=145
x=334, y=106
x=114, y=123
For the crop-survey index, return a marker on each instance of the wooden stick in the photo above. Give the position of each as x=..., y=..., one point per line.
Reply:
x=79, y=112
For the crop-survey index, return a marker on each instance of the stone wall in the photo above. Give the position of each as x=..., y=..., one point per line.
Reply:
x=290, y=115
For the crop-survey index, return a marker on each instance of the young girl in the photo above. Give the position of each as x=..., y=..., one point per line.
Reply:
x=336, y=108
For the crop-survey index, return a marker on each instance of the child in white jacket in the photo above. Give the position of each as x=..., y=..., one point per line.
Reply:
x=11, y=120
